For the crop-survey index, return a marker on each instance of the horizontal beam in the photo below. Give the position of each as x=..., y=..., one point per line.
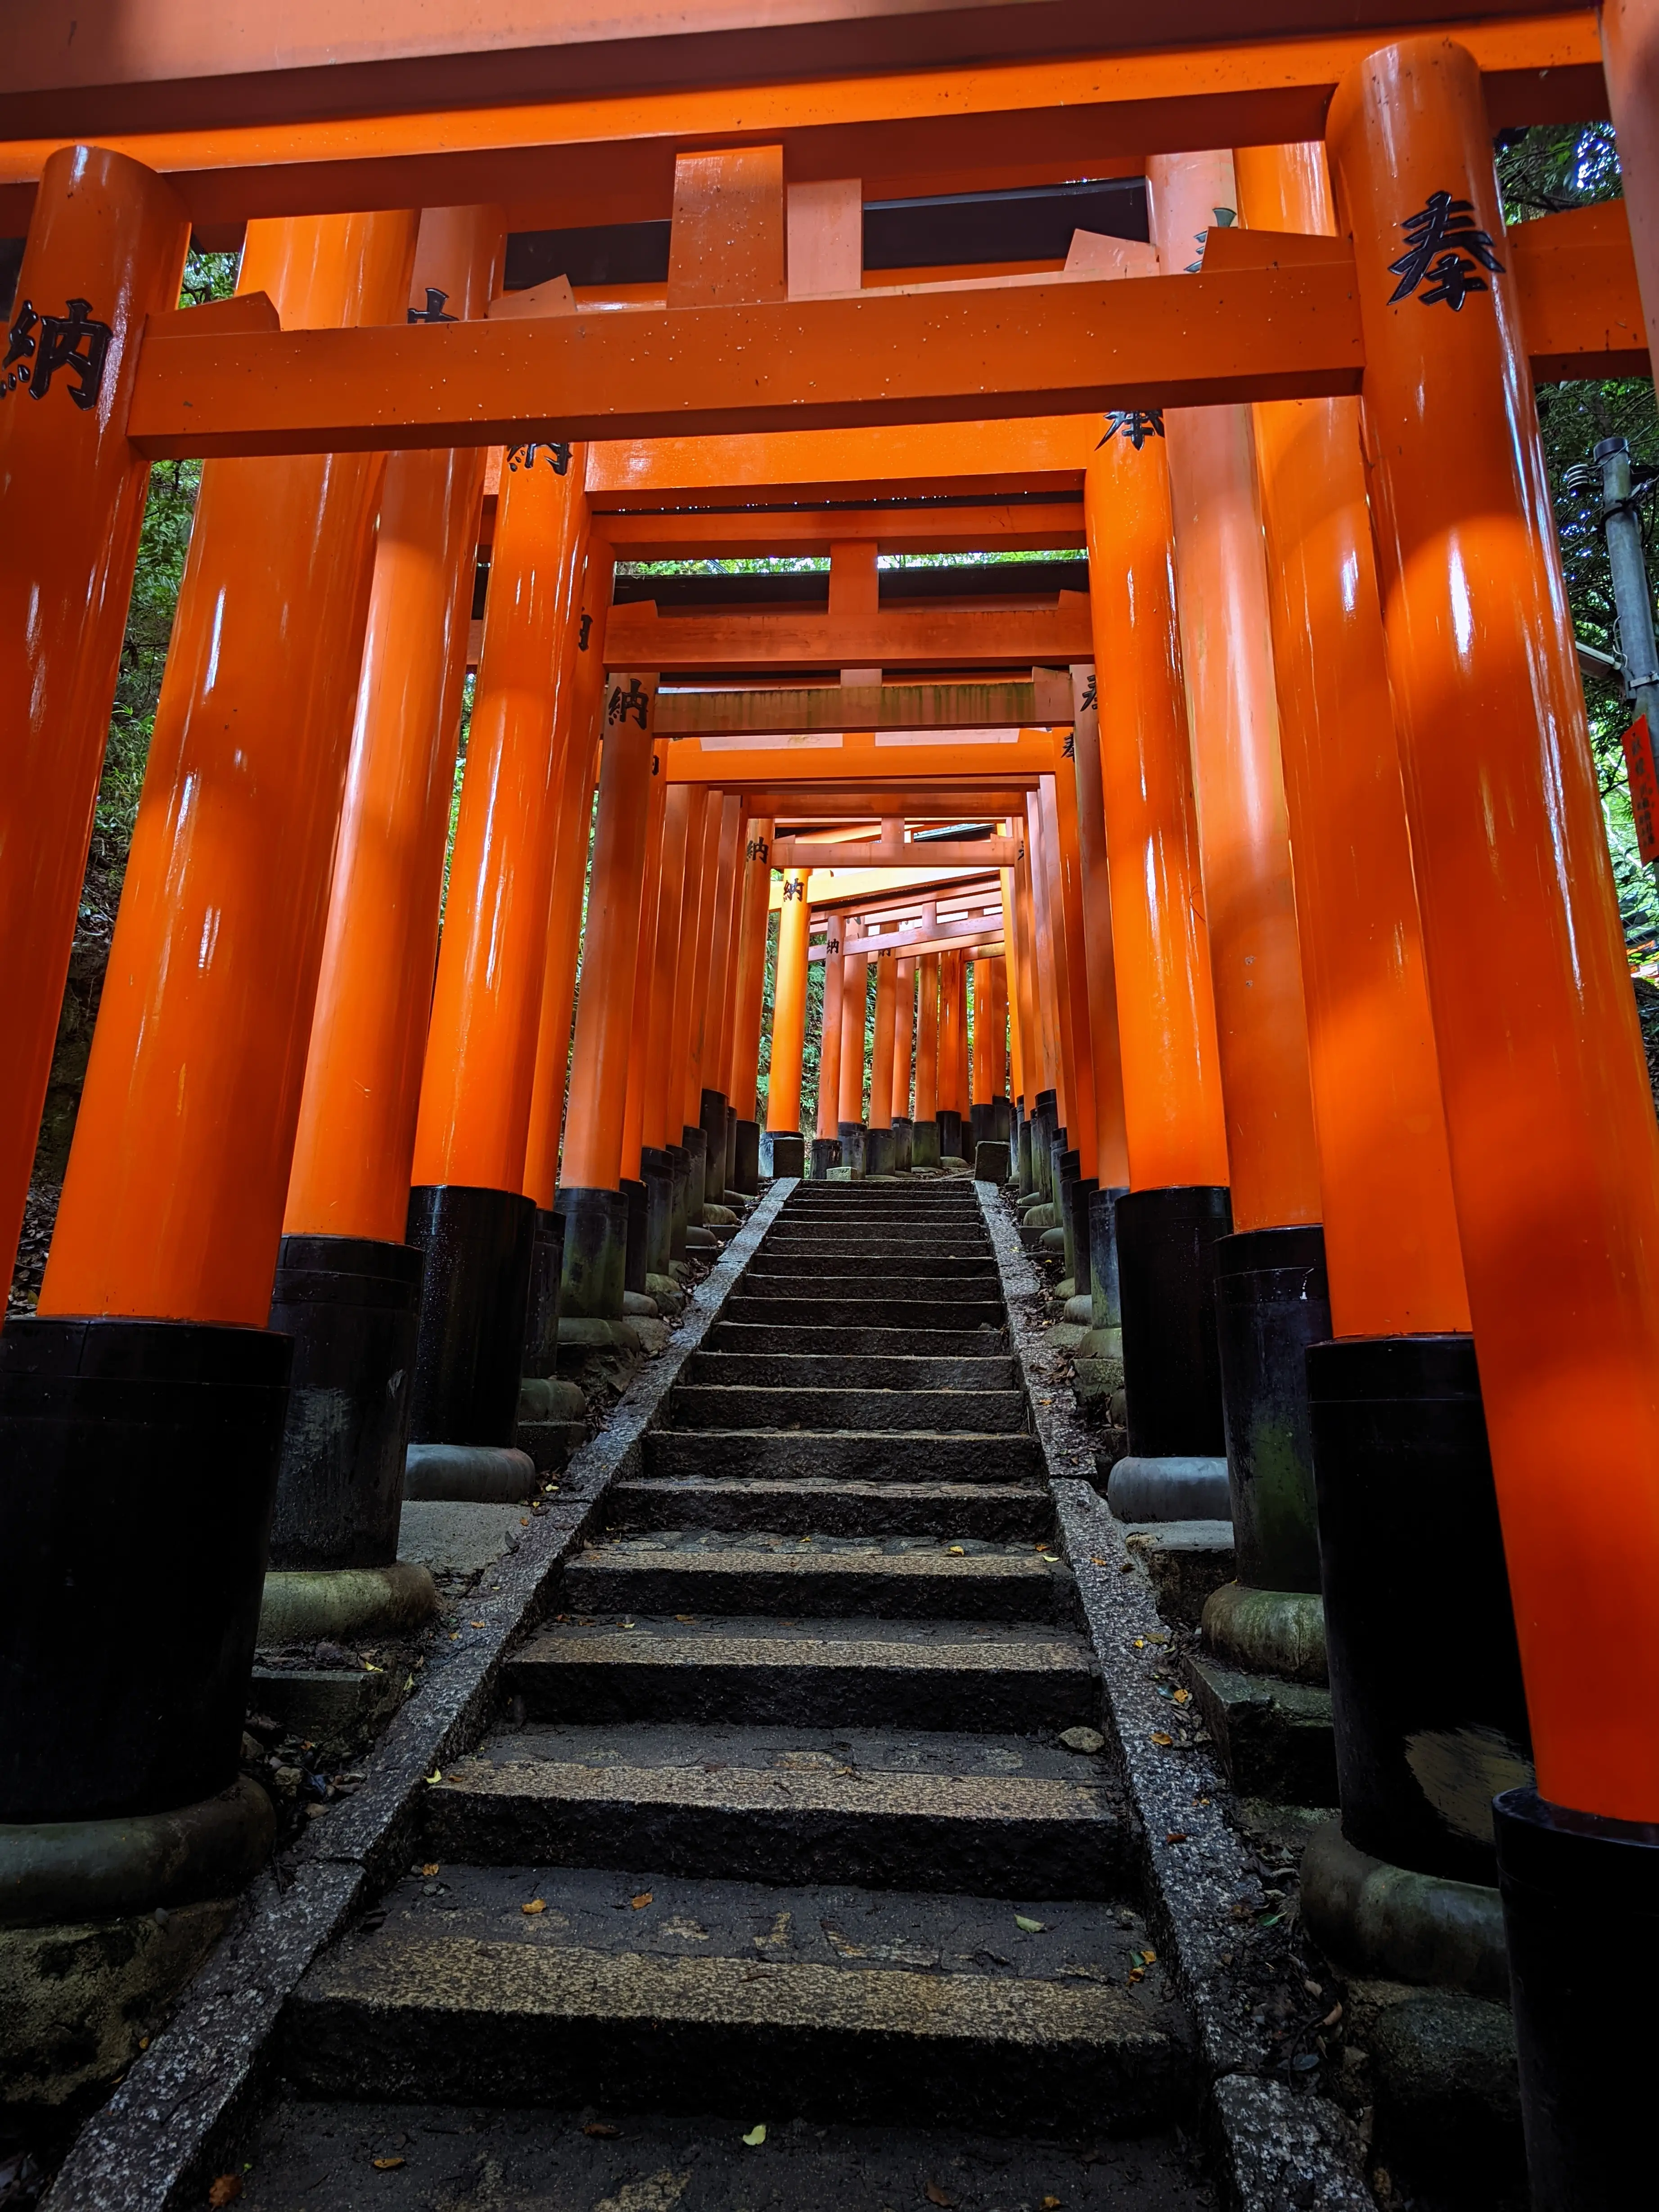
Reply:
x=1053, y=527
x=637, y=636
x=852, y=889
x=1042, y=346
x=611, y=158
x=832, y=708
x=911, y=801
x=986, y=851
x=735, y=764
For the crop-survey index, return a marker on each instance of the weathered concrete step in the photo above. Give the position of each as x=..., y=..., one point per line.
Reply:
x=996, y=1512
x=805, y=1371
x=987, y=1340
x=999, y=1815
x=637, y=1990
x=856, y=1260
x=928, y=1584
x=780, y=1455
x=917, y=1310
x=810, y=1673
x=866, y=1280
x=727, y=1406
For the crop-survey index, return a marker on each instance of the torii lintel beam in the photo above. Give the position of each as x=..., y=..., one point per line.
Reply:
x=309, y=124
x=637, y=636
x=1036, y=346
x=1037, y=526
x=910, y=802
x=972, y=852
x=832, y=708
x=734, y=763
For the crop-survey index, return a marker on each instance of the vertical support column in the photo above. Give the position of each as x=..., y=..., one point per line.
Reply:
x=651, y=1165
x=924, y=1135
x=142, y=1408
x=1177, y=1205
x=1012, y=981
x=591, y=1171
x=468, y=1209
x=855, y=1007
x=1554, y=1151
x=783, y=1134
x=347, y=1286
x=826, y=1141
x=952, y=1054
x=747, y=1005
x=714, y=1045
x=1043, y=991
x=981, y=1108
x=108, y=233
x=878, y=1140
x=904, y=1031
x=1398, y=1302
x=691, y=996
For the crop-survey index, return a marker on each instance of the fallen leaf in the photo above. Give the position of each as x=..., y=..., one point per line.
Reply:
x=524, y=1523
x=1162, y=1740
x=1182, y=1697
x=1095, y=1562
x=605, y=2129
x=935, y=2195
x=1175, y=1836
x=1137, y=1973
x=436, y=1774
x=1031, y=1927
x=958, y=1550
x=756, y=2136
x=639, y=1902
x=536, y=1905
x=388, y=2164
x=686, y=1616
x=475, y=1624
x=226, y=2189
x=1050, y=2205
x=430, y=1870
x=1149, y=1958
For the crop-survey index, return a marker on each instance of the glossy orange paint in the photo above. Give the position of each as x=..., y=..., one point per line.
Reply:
x=1000, y=1027
x=1554, y=1150
x=1630, y=54
x=173, y=1205
x=789, y=1008
x=1226, y=650
x=107, y=231
x=350, y=1176
x=723, y=964
x=827, y=1123
x=953, y=1034
x=1082, y=1127
x=1095, y=906
x=1011, y=985
x=656, y=811
x=882, y=1044
x=573, y=831
x=904, y=1031
x=699, y=944
x=749, y=1006
x=677, y=889
x=1391, y=1243
x=474, y=1122
x=854, y=1006
x=984, y=1019
x=927, y=1004
x=1172, y=1109
x=1039, y=1065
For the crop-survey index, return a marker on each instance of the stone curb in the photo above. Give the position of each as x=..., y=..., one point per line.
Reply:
x=151, y=2147
x=1193, y=1864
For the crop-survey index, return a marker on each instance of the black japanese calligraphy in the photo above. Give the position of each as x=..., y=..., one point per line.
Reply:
x=1136, y=424
x=434, y=310
x=38, y=346
x=524, y=457
x=635, y=701
x=1089, y=701
x=1445, y=229
x=583, y=633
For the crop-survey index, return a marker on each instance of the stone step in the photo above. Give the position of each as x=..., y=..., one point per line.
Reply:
x=1004, y=1816
x=910, y=1308
x=986, y=1340
x=783, y=1456
x=994, y=1512
x=805, y=1371
x=725, y=1406
x=918, y=1583
x=642, y=1991
x=856, y=1260
x=810, y=1673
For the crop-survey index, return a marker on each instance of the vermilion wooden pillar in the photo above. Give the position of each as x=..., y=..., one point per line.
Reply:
x=825, y=1152
x=655, y=805
x=160, y=1474
x=881, y=1054
x=788, y=1029
x=1061, y=792
x=924, y=1137
x=1095, y=901
x=712, y=1043
x=105, y=230
x=747, y=1003
x=952, y=1054
x=1630, y=57
x=854, y=1008
x=696, y=958
x=904, y=1035
x=681, y=839
x=1554, y=1149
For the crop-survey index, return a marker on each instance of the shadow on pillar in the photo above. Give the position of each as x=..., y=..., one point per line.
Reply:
x=950, y=1133
x=852, y=1147
x=1175, y=1468
x=824, y=1155
x=480, y=1247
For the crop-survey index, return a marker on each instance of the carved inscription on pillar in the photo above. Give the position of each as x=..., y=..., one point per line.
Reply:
x=1442, y=248
x=38, y=346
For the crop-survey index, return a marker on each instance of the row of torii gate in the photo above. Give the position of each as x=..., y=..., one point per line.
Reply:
x=1313, y=922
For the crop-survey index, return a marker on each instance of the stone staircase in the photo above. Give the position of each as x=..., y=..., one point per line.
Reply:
x=777, y=1820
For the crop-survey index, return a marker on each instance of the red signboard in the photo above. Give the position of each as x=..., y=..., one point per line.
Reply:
x=1643, y=786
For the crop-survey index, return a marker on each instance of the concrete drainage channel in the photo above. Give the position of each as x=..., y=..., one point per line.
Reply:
x=795, y=1804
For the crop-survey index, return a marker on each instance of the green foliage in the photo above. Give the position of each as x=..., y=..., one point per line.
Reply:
x=1546, y=171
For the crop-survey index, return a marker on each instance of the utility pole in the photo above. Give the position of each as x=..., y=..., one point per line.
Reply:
x=1623, y=484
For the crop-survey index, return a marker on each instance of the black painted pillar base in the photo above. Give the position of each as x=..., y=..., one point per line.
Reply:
x=138, y=1467
x=351, y=1305
x=541, y=1322
x=1580, y=1919
x=1271, y=1301
x=634, y=1269
x=479, y=1245
x=1104, y=1292
x=595, y=1253
x=1426, y=1699
x=924, y=1144
x=1002, y=1131
x=825, y=1153
x=1166, y=1281
x=852, y=1146
x=729, y=1158
x=656, y=1170
x=1067, y=1168
x=746, y=1159
x=1023, y=1153
x=679, y=1216
x=982, y=1122
x=879, y=1151
x=1078, y=1191
x=713, y=1113
x=786, y=1152
x=950, y=1133
x=903, y=1129
x=695, y=1144
x=1045, y=1121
